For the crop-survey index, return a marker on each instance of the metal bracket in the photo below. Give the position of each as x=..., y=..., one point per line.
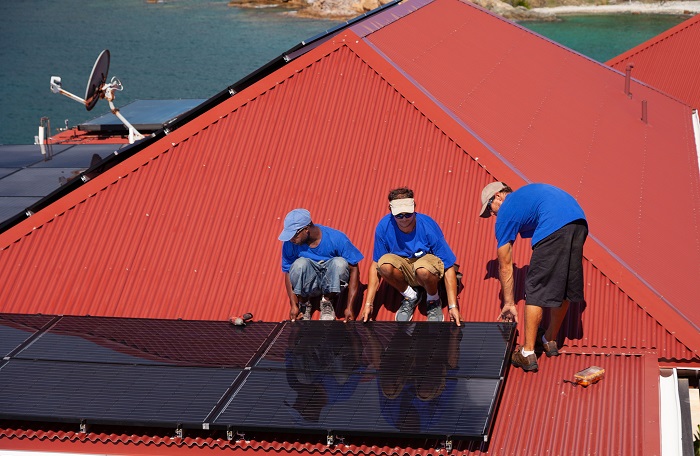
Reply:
x=178, y=431
x=83, y=426
x=448, y=445
x=235, y=435
x=330, y=438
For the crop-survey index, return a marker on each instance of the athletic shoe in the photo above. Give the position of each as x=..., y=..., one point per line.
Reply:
x=528, y=363
x=435, y=310
x=550, y=348
x=405, y=312
x=327, y=310
x=305, y=309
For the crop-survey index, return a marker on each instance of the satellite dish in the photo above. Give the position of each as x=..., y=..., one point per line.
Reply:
x=98, y=87
x=98, y=77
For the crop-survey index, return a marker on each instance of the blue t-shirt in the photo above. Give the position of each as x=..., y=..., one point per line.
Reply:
x=535, y=211
x=333, y=244
x=426, y=238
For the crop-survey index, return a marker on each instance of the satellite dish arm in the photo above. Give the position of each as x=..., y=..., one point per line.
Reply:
x=109, y=89
x=56, y=88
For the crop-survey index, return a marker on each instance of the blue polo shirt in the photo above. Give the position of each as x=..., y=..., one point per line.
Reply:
x=535, y=211
x=426, y=238
x=333, y=244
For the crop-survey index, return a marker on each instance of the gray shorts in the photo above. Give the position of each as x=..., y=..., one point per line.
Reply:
x=556, y=267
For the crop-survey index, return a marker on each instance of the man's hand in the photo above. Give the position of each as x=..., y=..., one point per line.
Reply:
x=508, y=313
x=349, y=315
x=455, y=316
x=367, y=312
x=293, y=311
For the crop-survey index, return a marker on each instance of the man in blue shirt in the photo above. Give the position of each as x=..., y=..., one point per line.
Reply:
x=558, y=228
x=410, y=251
x=317, y=261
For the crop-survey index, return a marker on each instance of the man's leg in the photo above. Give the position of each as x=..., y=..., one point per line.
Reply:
x=399, y=273
x=427, y=280
x=556, y=317
x=533, y=317
x=393, y=276
x=305, y=277
x=335, y=276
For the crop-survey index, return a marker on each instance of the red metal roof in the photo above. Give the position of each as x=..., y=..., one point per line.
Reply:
x=669, y=61
x=441, y=96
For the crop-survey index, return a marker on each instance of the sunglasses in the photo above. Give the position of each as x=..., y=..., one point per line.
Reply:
x=488, y=206
x=404, y=215
x=299, y=231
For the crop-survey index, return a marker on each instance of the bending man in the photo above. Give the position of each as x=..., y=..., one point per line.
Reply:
x=558, y=228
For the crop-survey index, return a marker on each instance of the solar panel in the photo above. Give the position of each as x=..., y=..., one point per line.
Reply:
x=144, y=115
x=144, y=341
x=387, y=378
x=23, y=155
x=79, y=156
x=380, y=378
x=15, y=329
x=111, y=393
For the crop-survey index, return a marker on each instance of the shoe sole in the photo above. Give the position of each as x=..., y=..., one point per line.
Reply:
x=525, y=368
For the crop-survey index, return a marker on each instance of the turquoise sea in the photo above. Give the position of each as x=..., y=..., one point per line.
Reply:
x=189, y=49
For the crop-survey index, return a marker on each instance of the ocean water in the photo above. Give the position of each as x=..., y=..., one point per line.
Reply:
x=188, y=49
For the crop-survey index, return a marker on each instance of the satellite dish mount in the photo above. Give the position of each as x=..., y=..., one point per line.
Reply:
x=97, y=87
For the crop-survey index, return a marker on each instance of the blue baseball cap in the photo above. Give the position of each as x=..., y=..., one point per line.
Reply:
x=293, y=222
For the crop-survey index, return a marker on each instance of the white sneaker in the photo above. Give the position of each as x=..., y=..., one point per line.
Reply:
x=327, y=310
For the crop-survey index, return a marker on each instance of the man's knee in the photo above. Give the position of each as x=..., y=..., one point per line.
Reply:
x=386, y=269
x=424, y=275
x=299, y=268
x=338, y=263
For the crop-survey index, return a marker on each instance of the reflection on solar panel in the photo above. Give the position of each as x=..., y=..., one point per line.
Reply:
x=381, y=378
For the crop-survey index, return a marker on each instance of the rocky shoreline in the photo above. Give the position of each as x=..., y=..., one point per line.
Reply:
x=539, y=10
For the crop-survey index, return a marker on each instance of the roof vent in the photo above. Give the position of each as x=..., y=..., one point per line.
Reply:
x=628, y=78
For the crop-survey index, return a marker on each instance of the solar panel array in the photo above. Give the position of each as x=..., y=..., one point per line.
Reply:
x=380, y=378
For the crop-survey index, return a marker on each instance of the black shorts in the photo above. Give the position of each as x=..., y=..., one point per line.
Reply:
x=556, y=267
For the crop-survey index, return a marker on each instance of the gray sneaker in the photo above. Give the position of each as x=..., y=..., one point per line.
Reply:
x=435, y=310
x=305, y=309
x=327, y=310
x=405, y=312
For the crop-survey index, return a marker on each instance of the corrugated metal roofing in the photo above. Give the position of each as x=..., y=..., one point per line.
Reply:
x=440, y=96
x=669, y=61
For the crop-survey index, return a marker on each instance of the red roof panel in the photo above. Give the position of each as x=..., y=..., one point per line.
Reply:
x=669, y=61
